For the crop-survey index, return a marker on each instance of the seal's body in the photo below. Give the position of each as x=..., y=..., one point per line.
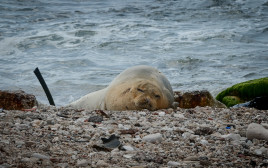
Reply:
x=136, y=88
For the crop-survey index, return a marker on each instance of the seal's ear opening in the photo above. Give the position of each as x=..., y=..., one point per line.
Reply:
x=44, y=85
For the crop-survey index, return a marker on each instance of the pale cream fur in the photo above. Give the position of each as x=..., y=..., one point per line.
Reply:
x=136, y=88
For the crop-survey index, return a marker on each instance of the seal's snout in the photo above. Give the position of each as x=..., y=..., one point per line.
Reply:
x=145, y=103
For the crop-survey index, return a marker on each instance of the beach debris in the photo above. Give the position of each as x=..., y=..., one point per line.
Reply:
x=259, y=103
x=243, y=92
x=108, y=143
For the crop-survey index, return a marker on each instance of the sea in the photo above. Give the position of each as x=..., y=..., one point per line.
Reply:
x=81, y=45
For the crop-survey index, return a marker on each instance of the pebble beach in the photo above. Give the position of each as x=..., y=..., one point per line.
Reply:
x=67, y=137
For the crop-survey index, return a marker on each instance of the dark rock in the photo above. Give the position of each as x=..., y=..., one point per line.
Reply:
x=259, y=103
x=129, y=131
x=204, y=131
x=108, y=144
x=16, y=100
x=95, y=119
x=196, y=98
x=111, y=142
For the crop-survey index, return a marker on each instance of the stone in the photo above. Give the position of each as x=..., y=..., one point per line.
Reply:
x=40, y=156
x=161, y=114
x=234, y=137
x=204, y=131
x=196, y=98
x=192, y=158
x=173, y=164
x=101, y=164
x=5, y=165
x=181, y=116
x=204, y=142
x=127, y=148
x=257, y=131
x=82, y=163
x=242, y=92
x=153, y=138
x=16, y=100
x=128, y=156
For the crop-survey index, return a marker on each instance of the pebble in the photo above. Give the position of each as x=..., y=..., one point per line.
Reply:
x=257, y=131
x=40, y=156
x=128, y=148
x=179, y=116
x=234, y=137
x=161, y=114
x=128, y=156
x=68, y=142
x=22, y=126
x=101, y=164
x=191, y=158
x=82, y=163
x=172, y=163
x=19, y=143
x=153, y=138
x=204, y=142
x=5, y=165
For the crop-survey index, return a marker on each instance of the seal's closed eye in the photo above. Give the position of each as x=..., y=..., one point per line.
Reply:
x=140, y=90
x=157, y=96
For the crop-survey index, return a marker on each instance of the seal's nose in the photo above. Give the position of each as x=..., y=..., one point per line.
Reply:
x=147, y=100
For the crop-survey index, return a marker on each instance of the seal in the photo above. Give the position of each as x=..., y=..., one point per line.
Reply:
x=136, y=88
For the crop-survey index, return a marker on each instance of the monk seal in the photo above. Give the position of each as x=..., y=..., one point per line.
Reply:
x=136, y=88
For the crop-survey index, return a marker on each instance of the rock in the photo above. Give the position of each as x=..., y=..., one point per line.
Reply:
x=181, y=116
x=82, y=163
x=40, y=156
x=234, y=137
x=204, y=131
x=127, y=148
x=196, y=98
x=111, y=142
x=243, y=92
x=128, y=156
x=192, y=158
x=204, y=142
x=153, y=138
x=257, y=131
x=108, y=144
x=5, y=165
x=161, y=114
x=16, y=100
x=173, y=164
x=95, y=119
x=101, y=164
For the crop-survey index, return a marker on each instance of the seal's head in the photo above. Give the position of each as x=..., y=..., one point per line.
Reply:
x=138, y=95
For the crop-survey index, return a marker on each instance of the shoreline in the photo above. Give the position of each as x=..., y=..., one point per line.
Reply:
x=64, y=137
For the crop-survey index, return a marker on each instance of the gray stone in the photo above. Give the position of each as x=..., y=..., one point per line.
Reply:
x=40, y=156
x=101, y=164
x=153, y=138
x=82, y=163
x=257, y=131
x=174, y=164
